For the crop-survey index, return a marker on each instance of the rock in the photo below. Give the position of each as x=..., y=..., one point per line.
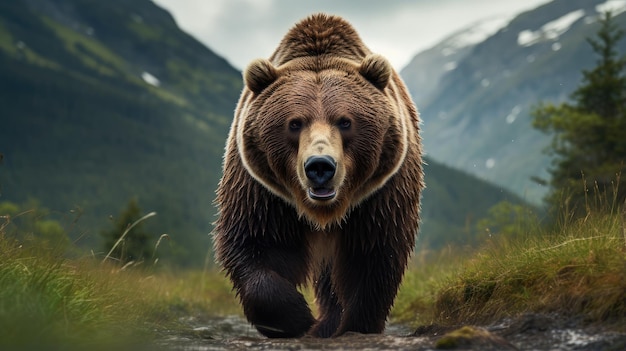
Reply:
x=472, y=337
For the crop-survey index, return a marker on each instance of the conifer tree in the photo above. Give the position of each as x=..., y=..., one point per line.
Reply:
x=589, y=132
x=135, y=245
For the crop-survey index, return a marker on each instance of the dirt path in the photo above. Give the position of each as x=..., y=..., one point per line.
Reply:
x=530, y=332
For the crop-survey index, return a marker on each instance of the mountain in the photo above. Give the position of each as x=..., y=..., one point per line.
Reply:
x=452, y=204
x=426, y=68
x=106, y=101
x=476, y=112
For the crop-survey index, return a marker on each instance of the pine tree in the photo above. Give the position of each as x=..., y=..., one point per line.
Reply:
x=589, y=133
x=135, y=245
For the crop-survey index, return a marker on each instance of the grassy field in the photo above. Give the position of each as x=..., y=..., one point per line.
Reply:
x=49, y=298
x=576, y=269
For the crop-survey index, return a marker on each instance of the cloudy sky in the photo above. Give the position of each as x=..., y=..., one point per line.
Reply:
x=242, y=30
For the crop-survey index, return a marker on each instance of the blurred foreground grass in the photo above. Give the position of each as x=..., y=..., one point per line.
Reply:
x=50, y=302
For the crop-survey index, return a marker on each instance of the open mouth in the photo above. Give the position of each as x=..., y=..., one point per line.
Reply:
x=322, y=193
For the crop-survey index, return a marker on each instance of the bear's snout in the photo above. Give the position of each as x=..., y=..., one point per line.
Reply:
x=320, y=170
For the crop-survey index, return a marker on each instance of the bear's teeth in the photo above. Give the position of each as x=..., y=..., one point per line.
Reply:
x=322, y=193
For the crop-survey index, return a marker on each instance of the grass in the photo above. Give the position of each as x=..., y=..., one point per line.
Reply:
x=428, y=273
x=49, y=301
x=46, y=300
x=577, y=270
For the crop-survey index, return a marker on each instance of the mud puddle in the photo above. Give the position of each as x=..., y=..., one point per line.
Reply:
x=528, y=332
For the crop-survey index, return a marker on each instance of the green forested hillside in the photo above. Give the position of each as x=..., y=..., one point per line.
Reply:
x=82, y=129
x=107, y=101
x=453, y=203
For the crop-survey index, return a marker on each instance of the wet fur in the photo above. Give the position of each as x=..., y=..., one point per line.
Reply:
x=269, y=237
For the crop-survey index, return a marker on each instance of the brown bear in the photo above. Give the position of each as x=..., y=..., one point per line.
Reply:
x=322, y=181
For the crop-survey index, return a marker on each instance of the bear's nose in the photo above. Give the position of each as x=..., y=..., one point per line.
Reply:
x=320, y=169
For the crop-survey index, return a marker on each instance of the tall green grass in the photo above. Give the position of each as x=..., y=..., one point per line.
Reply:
x=49, y=301
x=576, y=269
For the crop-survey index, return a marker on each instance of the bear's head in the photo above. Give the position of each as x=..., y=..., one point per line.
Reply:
x=322, y=133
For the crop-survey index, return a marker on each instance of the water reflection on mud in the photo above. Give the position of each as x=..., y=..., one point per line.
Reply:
x=234, y=333
x=530, y=332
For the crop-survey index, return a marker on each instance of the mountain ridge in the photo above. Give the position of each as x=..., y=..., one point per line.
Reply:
x=426, y=67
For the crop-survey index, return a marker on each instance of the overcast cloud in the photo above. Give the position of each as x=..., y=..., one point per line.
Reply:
x=242, y=30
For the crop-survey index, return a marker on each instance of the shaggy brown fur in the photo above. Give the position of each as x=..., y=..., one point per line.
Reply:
x=322, y=182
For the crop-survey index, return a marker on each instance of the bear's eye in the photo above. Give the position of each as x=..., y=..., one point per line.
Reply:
x=295, y=125
x=344, y=124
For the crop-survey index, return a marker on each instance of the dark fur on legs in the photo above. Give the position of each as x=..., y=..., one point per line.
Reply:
x=329, y=307
x=275, y=307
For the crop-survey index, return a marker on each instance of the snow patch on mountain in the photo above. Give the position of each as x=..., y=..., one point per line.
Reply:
x=449, y=66
x=511, y=117
x=615, y=6
x=150, y=79
x=475, y=34
x=551, y=30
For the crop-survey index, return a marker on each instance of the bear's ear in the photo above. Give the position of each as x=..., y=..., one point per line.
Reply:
x=259, y=74
x=376, y=69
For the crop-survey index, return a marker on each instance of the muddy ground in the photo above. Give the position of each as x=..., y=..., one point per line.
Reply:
x=528, y=332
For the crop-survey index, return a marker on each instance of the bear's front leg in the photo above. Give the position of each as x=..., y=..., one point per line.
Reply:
x=367, y=280
x=259, y=243
x=266, y=273
x=274, y=305
x=328, y=305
